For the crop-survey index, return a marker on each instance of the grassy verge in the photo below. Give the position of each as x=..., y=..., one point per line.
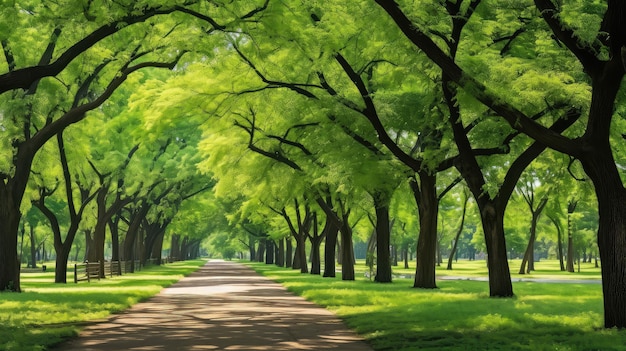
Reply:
x=46, y=313
x=460, y=315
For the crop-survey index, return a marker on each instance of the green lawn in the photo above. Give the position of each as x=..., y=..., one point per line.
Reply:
x=460, y=315
x=457, y=316
x=46, y=313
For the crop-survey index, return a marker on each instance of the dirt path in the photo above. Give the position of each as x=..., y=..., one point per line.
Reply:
x=222, y=306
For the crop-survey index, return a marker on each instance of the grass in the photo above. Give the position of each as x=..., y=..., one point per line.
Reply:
x=460, y=315
x=47, y=313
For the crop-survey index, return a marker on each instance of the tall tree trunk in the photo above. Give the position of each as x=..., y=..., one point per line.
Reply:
x=9, y=261
x=601, y=168
x=269, y=247
x=559, y=236
x=316, y=264
x=33, y=247
x=529, y=253
x=251, y=247
x=405, y=254
x=299, y=259
x=280, y=259
x=459, y=231
x=184, y=249
x=289, y=252
x=426, y=198
x=571, y=207
x=174, y=248
x=383, y=238
x=347, y=252
x=497, y=262
x=88, y=243
x=277, y=252
x=136, y=217
x=330, y=247
x=316, y=242
x=115, y=238
x=261, y=251
x=157, y=248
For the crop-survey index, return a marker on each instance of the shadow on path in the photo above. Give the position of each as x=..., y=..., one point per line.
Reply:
x=222, y=306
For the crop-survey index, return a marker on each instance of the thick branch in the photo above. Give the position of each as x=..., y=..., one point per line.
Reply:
x=517, y=119
x=23, y=78
x=566, y=35
x=370, y=113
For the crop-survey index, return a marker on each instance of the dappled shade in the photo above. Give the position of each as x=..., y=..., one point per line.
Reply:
x=222, y=306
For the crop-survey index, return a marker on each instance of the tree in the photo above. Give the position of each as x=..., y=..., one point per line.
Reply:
x=600, y=57
x=62, y=246
x=457, y=236
x=536, y=203
x=54, y=73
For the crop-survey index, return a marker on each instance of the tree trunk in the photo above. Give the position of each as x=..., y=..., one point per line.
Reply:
x=405, y=253
x=115, y=239
x=9, y=261
x=33, y=248
x=280, y=259
x=528, y=254
x=261, y=251
x=184, y=249
x=330, y=245
x=96, y=250
x=136, y=216
x=499, y=274
x=316, y=262
x=347, y=252
x=459, y=231
x=277, y=251
x=174, y=248
x=60, y=270
x=383, y=238
x=601, y=168
x=570, y=240
x=289, y=252
x=559, y=236
x=251, y=244
x=269, y=247
x=300, y=256
x=157, y=248
x=426, y=198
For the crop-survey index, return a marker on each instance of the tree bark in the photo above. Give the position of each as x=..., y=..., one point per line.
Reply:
x=428, y=207
x=347, y=253
x=269, y=247
x=33, y=247
x=288, y=252
x=251, y=248
x=601, y=168
x=383, y=238
x=261, y=251
x=316, y=242
x=10, y=268
x=493, y=226
x=280, y=258
x=458, y=235
x=330, y=247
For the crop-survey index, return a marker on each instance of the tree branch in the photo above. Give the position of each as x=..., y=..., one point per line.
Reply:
x=517, y=119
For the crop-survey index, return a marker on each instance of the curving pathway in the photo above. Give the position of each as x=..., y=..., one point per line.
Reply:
x=222, y=306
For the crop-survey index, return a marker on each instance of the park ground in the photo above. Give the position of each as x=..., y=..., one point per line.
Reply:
x=458, y=315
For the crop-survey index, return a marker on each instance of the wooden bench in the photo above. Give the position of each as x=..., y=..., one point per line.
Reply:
x=86, y=271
